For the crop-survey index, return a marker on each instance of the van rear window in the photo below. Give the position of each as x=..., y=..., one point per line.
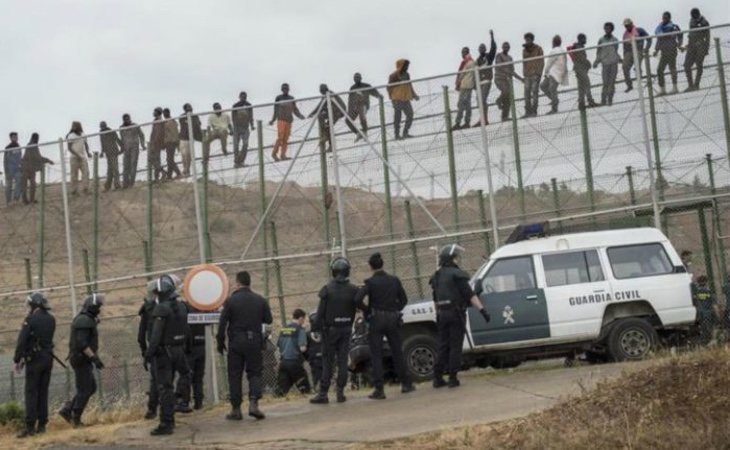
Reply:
x=636, y=261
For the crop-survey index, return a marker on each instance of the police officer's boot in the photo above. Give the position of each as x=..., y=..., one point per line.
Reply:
x=320, y=399
x=454, y=381
x=163, y=429
x=66, y=413
x=378, y=394
x=254, y=411
x=407, y=388
x=76, y=421
x=41, y=428
x=27, y=431
x=341, y=395
x=438, y=381
x=183, y=407
x=198, y=404
x=235, y=414
x=150, y=414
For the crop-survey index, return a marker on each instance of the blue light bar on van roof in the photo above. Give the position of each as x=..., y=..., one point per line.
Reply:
x=529, y=231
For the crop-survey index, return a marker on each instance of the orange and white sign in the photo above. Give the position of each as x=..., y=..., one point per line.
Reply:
x=206, y=287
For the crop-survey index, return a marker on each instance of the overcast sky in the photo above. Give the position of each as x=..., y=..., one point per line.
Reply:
x=92, y=60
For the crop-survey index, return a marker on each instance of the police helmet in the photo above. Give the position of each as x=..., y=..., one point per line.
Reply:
x=449, y=252
x=150, y=295
x=165, y=286
x=340, y=268
x=38, y=300
x=175, y=280
x=93, y=303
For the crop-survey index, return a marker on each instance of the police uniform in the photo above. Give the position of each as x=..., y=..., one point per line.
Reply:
x=144, y=333
x=314, y=355
x=291, y=367
x=167, y=353
x=242, y=319
x=451, y=294
x=335, y=316
x=387, y=298
x=196, y=363
x=705, y=302
x=35, y=349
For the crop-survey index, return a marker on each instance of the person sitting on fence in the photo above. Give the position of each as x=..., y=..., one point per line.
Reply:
x=465, y=87
x=401, y=92
x=642, y=46
x=110, y=144
x=285, y=108
x=79, y=150
x=668, y=44
x=219, y=127
x=698, y=46
x=32, y=162
x=556, y=73
x=607, y=56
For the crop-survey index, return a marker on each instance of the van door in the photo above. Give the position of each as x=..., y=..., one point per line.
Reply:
x=577, y=292
x=510, y=293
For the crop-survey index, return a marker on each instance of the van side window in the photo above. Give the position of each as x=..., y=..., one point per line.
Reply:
x=510, y=274
x=635, y=261
x=572, y=268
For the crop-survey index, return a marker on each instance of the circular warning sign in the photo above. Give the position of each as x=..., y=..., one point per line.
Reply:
x=206, y=287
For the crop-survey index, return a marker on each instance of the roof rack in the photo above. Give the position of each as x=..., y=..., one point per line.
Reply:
x=529, y=231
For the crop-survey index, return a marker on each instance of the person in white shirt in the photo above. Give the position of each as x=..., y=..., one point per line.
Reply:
x=219, y=127
x=79, y=155
x=556, y=73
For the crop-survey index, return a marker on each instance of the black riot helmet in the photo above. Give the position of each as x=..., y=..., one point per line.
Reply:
x=93, y=304
x=166, y=287
x=340, y=268
x=37, y=300
x=448, y=253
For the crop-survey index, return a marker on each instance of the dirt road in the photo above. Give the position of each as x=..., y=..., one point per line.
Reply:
x=482, y=398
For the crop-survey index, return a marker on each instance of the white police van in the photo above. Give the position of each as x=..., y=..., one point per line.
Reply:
x=609, y=295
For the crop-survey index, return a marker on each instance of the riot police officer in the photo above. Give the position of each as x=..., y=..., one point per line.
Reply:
x=314, y=352
x=196, y=362
x=242, y=320
x=166, y=349
x=386, y=300
x=83, y=356
x=34, y=350
x=451, y=295
x=335, y=315
x=144, y=332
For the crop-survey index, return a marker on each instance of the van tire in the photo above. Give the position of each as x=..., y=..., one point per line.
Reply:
x=420, y=352
x=631, y=339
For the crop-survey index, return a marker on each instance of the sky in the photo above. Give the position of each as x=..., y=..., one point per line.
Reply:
x=92, y=60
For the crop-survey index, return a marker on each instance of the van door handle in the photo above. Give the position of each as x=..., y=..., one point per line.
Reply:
x=598, y=291
x=531, y=297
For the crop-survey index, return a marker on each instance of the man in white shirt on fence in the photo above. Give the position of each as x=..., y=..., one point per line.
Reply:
x=219, y=127
x=556, y=73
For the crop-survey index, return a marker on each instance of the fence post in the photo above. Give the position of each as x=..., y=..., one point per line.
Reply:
x=12, y=385
x=277, y=273
x=723, y=95
x=28, y=274
x=87, y=270
x=67, y=226
x=706, y=248
x=148, y=216
x=338, y=186
x=516, y=145
x=452, y=162
x=95, y=223
x=146, y=250
x=717, y=222
x=556, y=201
x=42, y=231
x=630, y=177
x=414, y=250
x=587, y=157
x=262, y=195
x=483, y=219
x=100, y=388
x=68, y=382
x=125, y=367
x=325, y=193
x=204, y=207
x=386, y=181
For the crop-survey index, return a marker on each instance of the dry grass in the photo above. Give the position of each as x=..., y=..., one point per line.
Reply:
x=681, y=403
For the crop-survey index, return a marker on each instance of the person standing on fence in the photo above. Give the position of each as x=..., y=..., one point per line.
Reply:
x=503, y=74
x=642, y=47
x=166, y=349
x=465, y=84
x=144, y=333
x=110, y=144
x=335, y=315
x=401, y=92
x=79, y=150
x=582, y=66
x=556, y=73
x=668, y=42
x=34, y=350
x=244, y=314
x=323, y=118
x=83, y=356
x=532, y=68
x=172, y=142
x=195, y=354
x=486, y=73
x=132, y=139
x=698, y=46
x=33, y=162
x=242, y=126
x=451, y=295
x=12, y=161
x=358, y=103
x=607, y=56
x=185, y=141
x=292, y=344
x=219, y=127
x=386, y=299
x=285, y=108
x=157, y=144
x=314, y=352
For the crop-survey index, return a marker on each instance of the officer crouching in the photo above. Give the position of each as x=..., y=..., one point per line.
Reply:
x=242, y=319
x=166, y=349
x=451, y=295
x=34, y=350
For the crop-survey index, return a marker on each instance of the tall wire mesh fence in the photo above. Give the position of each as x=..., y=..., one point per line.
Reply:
x=400, y=169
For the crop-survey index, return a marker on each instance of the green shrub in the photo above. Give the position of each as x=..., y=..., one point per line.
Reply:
x=11, y=412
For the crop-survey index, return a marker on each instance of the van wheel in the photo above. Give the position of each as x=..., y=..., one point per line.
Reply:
x=419, y=351
x=631, y=340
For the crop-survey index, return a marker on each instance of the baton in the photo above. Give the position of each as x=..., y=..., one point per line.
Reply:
x=58, y=360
